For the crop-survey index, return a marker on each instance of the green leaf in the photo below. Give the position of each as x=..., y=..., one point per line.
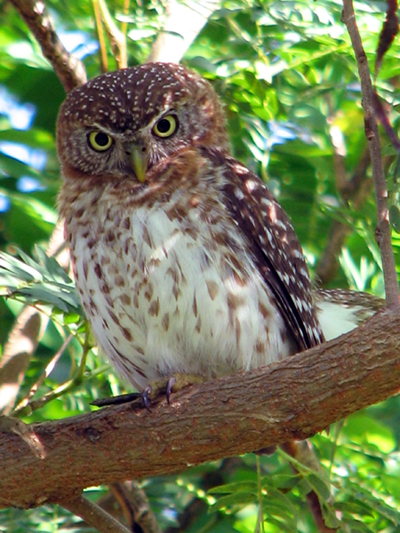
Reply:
x=43, y=282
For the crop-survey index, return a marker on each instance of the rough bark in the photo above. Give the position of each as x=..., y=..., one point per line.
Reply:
x=293, y=399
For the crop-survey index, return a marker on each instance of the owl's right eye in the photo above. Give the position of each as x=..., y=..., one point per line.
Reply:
x=99, y=141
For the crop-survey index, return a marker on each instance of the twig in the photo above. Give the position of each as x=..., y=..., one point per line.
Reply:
x=69, y=69
x=93, y=515
x=117, y=38
x=46, y=372
x=135, y=506
x=383, y=232
x=100, y=35
x=27, y=407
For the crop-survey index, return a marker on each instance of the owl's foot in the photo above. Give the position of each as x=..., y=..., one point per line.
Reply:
x=116, y=400
x=152, y=391
x=167, y=386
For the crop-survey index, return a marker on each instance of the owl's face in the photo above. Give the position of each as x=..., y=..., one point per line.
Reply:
x=123, y=123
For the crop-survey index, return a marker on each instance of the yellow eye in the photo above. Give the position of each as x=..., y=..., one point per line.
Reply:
x=99, y=141
x=166, y=126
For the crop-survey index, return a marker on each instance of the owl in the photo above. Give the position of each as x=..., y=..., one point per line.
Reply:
x=184, y=261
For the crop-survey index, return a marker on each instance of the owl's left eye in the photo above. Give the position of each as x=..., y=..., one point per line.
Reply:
x=166, y=126
x=99, y=141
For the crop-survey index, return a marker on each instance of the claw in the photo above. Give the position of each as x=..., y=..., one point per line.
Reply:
x=145, y=394
x=168, y=389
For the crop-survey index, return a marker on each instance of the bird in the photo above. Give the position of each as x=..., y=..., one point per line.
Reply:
x=184, y=261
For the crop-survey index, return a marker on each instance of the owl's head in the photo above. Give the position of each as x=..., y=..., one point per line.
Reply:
x=123, y=123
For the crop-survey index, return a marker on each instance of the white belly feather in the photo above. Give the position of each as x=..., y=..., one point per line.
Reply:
x=161, y=302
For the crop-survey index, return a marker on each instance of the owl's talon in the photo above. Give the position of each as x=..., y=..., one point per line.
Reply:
x=168, y=389
x=146, y=397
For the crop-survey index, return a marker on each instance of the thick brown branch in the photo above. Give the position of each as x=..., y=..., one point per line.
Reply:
x=69, y=69
x=291, y=400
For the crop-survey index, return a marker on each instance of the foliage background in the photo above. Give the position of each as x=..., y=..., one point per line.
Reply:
x=286, y=74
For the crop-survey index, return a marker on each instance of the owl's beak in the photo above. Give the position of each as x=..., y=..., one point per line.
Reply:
x=139, y=161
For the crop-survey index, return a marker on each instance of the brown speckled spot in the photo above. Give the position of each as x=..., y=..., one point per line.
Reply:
x=98, y=271
x=148, y=293
x=194, y=305
x=125, y=299
x=105, y=288
x=260, y=347
x=219, y=238
x=85, y=270
x=139, y=350
x=119, y=281
x=263, y=310
x=105, y=260
x=113, y=316
x=198, y=325
x=176, y=291
x=173, y=272
x=192, y=232
x=165, y=321
x=176, y=212
x=146, y=237
x=212, y=288
x=239, y=280
x=127, y=334
x=126, y=223
x=234, y=301
x=238, y=330
x=154, y=262
x=154, y=308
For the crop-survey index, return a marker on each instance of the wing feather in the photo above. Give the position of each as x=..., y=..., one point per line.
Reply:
x=276, y=249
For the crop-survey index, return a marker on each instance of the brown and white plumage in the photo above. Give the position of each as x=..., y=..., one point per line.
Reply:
x=184, y=261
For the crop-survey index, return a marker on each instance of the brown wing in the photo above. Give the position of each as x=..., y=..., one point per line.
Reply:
x=276, y=250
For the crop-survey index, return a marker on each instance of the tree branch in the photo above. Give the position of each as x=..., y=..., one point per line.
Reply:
x=372, y=134
x=135, y=506
x=293, y=399
x=69, y=69
x=176, y=37
x=94, y=515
